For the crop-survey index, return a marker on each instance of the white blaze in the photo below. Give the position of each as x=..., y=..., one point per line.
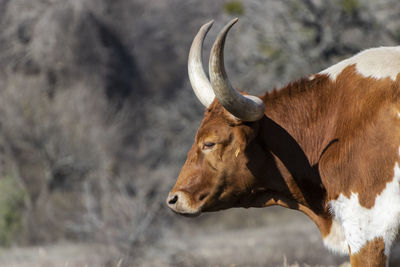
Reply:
x=361, y=225
x=377, y=63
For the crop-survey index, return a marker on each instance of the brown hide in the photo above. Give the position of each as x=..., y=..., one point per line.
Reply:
x=371, y=255
x=348, y=130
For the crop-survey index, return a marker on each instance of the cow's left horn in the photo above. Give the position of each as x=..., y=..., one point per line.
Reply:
x=198, y=79
x=246, y=108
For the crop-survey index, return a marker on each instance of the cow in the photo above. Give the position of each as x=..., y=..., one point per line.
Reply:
x=327, y=145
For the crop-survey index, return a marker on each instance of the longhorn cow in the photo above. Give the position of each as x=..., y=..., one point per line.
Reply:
x=326, y=145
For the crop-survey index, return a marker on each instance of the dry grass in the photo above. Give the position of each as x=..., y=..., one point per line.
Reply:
x=87, y=255
x=286, y=264
x=57, y=255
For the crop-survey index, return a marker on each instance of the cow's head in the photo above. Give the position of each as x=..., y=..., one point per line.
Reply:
x=222, y=166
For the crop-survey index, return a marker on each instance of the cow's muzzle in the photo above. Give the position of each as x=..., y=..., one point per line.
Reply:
x=181, y=203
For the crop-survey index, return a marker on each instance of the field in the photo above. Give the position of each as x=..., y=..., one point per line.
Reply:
x=97, y=116
x=261, y=237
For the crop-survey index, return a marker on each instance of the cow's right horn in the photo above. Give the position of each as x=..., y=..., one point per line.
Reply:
x=198, y=79
x=246, y=108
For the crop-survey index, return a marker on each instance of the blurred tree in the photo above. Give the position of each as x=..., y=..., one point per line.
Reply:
x=234, y=8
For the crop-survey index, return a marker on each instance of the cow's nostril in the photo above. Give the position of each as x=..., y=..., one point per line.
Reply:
x=173, y=200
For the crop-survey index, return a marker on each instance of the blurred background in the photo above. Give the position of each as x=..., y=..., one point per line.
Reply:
x=97, y=115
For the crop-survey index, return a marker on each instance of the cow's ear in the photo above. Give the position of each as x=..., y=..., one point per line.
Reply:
x=249, y=130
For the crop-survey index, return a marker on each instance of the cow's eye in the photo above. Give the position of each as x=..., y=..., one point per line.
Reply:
x=208, y=145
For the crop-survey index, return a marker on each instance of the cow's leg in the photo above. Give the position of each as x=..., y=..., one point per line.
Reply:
x=372, y=254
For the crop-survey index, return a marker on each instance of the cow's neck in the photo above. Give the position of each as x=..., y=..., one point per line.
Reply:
x=296, y=131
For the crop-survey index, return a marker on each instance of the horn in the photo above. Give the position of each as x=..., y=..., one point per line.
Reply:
x=246, y=108
x=198, y=79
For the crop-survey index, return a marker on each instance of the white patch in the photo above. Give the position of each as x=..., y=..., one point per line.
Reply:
x=361, y=225
x=336, y=240
x=377, y=63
